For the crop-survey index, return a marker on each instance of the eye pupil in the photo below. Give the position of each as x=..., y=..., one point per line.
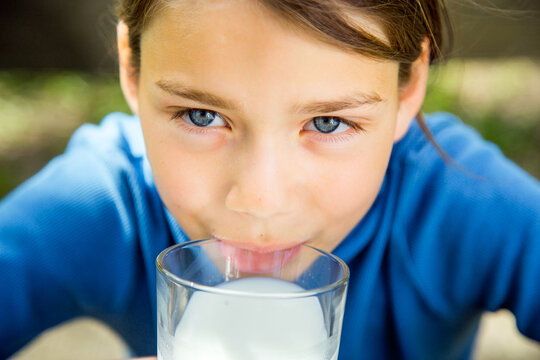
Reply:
x=326, y=124
x=201, y=117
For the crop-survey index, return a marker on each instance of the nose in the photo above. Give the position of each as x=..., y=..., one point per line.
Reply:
x=263, y=185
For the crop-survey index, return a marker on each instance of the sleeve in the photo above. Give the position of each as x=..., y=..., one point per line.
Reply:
x=504, y=254
x=67, y=247
x=473, y=226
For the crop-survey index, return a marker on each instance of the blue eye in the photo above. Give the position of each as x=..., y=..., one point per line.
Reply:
x=327, y=125
x=203, y=118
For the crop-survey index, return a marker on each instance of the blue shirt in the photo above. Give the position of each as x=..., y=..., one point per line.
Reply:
x=442, y=242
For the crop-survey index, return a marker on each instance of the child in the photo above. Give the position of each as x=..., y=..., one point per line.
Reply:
x=268, y=124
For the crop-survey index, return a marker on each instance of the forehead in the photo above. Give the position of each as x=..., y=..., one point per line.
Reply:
x=189, y=13
x=218, y=43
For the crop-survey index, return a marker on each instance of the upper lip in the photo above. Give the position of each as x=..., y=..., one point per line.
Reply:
x=261, y=248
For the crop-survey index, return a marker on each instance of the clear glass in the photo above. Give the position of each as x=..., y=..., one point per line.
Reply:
x=211, y=305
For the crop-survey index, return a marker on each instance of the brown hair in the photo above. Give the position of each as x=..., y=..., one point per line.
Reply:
x=406, y=23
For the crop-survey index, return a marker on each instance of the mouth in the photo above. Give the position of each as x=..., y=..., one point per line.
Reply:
x=256, y=259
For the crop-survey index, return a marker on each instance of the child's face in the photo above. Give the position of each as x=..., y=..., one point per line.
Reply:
x=263, y=174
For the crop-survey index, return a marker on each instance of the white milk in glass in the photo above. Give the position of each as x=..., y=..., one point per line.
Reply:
x=228, y=327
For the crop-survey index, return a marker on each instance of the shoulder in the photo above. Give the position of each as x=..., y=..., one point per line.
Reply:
x=106, y=159
x=477, y=189
x=458, y=140
x=476, y=169
x=96, y=176
x=117, y=133
x=82, y=209
x=455, y=220
x=110, y=156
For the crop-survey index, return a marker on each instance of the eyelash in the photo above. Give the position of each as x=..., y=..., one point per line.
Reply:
x=322, y=137
x=189, y=128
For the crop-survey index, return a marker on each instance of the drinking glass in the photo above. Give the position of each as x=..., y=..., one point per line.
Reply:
x=216, y=304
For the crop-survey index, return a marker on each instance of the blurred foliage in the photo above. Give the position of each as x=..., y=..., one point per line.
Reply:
x=498, y=98
x=39, y=111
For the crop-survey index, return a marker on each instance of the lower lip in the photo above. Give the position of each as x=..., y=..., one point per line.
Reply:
x=253, y=261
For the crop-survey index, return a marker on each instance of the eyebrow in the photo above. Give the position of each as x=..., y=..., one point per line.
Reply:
x=348, y=102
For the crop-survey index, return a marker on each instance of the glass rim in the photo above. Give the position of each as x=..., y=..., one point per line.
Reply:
x=343, y=280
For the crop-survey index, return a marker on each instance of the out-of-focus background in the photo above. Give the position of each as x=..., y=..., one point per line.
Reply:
x=58, y=70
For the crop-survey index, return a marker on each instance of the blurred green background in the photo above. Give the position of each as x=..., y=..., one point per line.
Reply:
x=40, y=110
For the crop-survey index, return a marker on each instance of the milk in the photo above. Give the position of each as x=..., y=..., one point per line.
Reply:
x=229, y=327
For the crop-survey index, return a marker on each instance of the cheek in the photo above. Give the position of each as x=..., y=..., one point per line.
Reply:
x=186, y=180
x=347, y=188
x=352, y=194
x=183, y=186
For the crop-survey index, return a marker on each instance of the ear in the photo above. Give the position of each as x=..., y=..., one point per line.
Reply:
x=412, y=94
x=129, y=78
